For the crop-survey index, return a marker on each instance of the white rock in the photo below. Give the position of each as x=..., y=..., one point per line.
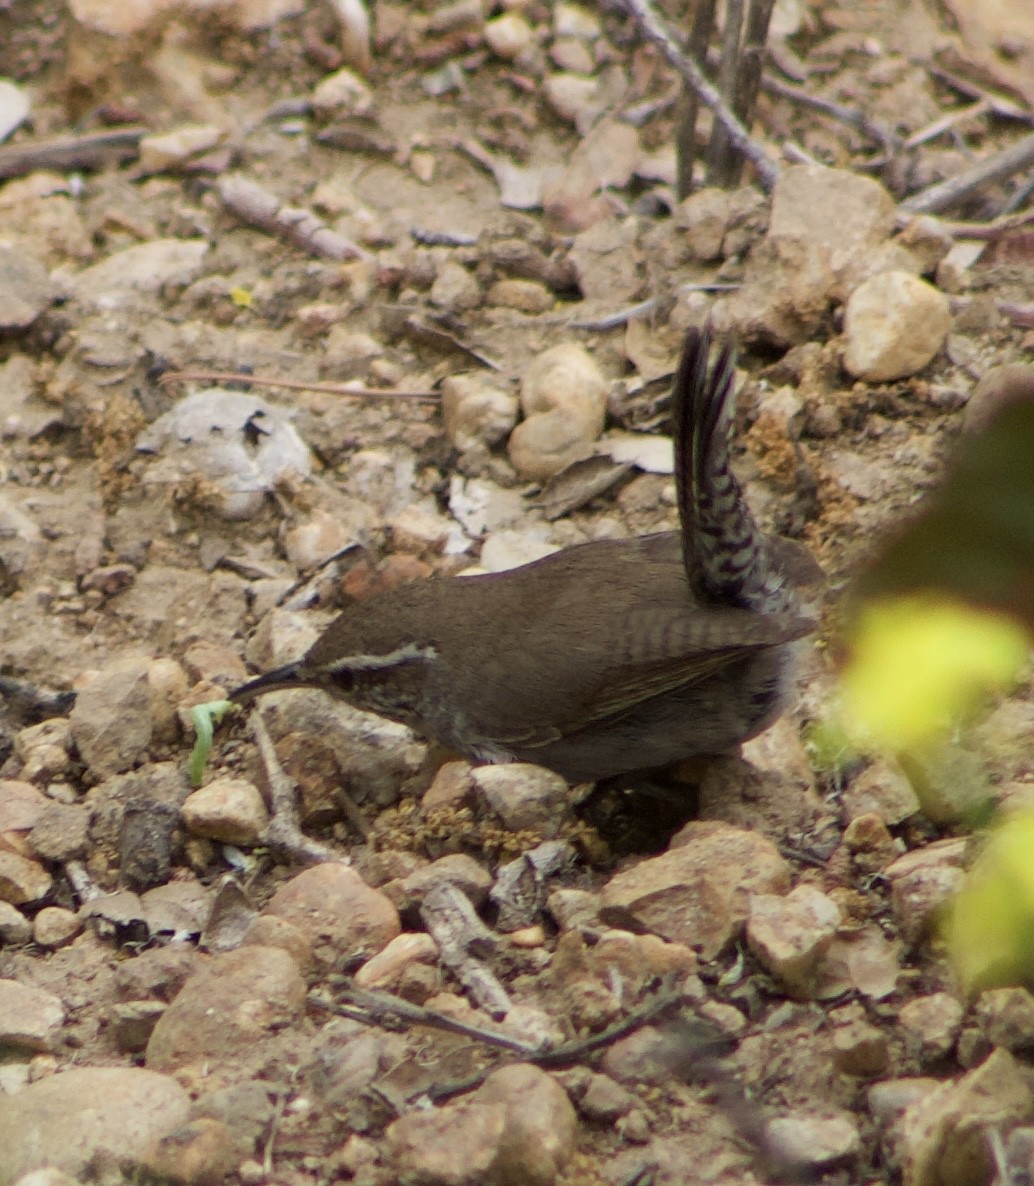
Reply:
x=14, y=107
x=29, y=1017
x=527, y=296
x=386, y=968
x=836, y=208
x=311, y=543
x=525, y=797
x=282, y=636
x=15, y=928
x=354, y=19
x=455, y=289
x=790, y=934
x=481, y=506
x=419, y=529
x=25, y=288
x=118, y=20
x=894, y=324
x=944, y=1134
x=805, y=1142
x=342, y=93
x=231, y=810
x=169, y=149
x=572, y=20
x=564, y=397
x=697, y=893
x=54, y=926
x=510, y=549
x=922, y=884
x=88, y=1116
x=881, y=788
x=650, y=453
x=145, y=267
x=22, y=880
x=111, y=722
x=476, y=411
x=519, y=1126
x=572, y=96
x=508, y=36
x=213, y=432
x=931, y=1023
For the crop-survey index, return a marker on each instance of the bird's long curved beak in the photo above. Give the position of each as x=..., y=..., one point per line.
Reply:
x=277, y=680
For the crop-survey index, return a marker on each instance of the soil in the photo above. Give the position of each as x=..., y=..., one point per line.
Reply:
x=257, y=303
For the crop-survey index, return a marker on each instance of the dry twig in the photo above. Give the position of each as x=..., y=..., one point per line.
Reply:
x=463, y=940
x=251, y=202
x=846, y=115
x=740, y=81
x=382, y=1008
x=94, y=150
x=353, y=389
x=997, y=167
x=654, y=30
x=282, y=833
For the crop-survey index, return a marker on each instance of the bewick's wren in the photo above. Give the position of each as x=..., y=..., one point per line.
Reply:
x=604, y=658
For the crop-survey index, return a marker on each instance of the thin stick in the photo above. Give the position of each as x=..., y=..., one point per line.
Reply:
x=621, y=317
x=997, y=167
x=374, y=1007
x=752, y=67
x=720, y=152
x=654, y=30
x=92, y=151
x=992, y=230
x=282, y=833
x=256, y=205
x=947, y=122
x=295, y=385
x=837, y=111
x=965, y=86
x=381, y=1007
x=689, y=104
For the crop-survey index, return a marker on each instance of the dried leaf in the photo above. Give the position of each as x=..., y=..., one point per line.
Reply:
x=579, y=483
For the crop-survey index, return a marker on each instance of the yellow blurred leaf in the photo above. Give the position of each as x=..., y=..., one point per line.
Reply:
x=242, y=298
x=990, y=927
x=922, y=664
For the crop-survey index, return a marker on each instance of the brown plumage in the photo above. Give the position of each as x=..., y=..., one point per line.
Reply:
x=602, y=658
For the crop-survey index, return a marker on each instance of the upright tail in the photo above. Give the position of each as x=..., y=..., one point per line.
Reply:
x=725, y=552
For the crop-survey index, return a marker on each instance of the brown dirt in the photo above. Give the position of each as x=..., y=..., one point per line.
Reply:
x=87, y=488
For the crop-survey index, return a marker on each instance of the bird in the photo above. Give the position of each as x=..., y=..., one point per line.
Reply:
x=604, y=658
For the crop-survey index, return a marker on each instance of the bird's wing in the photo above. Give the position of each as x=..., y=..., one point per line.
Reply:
x=692, y=651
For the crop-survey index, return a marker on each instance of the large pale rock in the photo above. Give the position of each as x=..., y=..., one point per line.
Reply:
x=87, y=1116
x=341, y=915
x=517, y=1129
x=698, y=892
x=227, y=1007
x=944, y=1135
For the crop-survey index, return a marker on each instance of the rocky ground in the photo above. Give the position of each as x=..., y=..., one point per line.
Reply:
x=469, y=214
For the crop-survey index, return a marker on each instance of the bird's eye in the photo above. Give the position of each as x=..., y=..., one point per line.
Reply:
x=342, y=680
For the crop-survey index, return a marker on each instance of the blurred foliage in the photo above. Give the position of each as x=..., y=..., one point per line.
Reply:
x=923, y=664
x=976, y=539
x=940, y=623
x=990, y=927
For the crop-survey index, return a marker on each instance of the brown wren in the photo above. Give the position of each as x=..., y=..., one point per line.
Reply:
x=604, y=658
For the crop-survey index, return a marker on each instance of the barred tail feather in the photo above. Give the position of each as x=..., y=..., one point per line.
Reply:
x=723, y=549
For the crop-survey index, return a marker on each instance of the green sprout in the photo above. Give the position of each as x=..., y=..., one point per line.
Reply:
x=204, y=718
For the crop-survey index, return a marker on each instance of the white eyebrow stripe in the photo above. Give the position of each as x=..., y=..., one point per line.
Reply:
x=411, y=651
